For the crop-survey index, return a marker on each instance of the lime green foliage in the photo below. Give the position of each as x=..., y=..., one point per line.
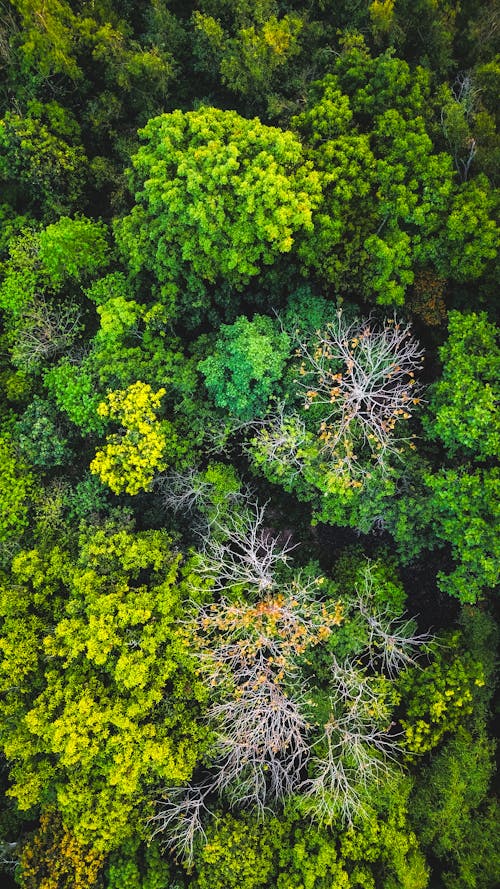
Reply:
x=452, y=814
x=48, y=39
x=381, y=846
x=39, y=261
x=476, y=862
x=464, y=402
x=471, y=238
x=239, y=854
x=56, y=40
x=16, y=486
x=22, y=275
x=104, y=703
x=218, y=196
x=384, y=843
x=247, y=363
x=309, y=858
x=440, y=698
x=134, y=342
x=41, y=160
x=130, y=460
x=74, y=391
x=73, y=248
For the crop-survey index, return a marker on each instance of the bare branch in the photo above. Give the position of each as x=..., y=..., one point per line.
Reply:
x=47, y=329
x=358, y=749
x=179, y=821
x=182, y=492
x=365, y=377
x=241, y=551
x=262, y=743
x=392, y=641
x=279, y=439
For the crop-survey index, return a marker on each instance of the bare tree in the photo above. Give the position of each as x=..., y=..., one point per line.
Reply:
x=182, y=492
x=357, y=748
x=241, y=551
x=364, y=375
x=179, y=819
x=248, y=639
x=46, y=330
x=267, y=736
x=280, y=439
x=392, y=641
x=250, y=653
x=262, y=743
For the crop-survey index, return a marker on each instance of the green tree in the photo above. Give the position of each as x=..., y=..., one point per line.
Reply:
x=238, y=853
x=42, y=162
x=440, y=698
x=218, y=197
x=463, y=403
x=465, y=512
x=390, y=204
x=16, y=488
x=450, y=790
x=247, y=59
x=105, y=704
x=247, y=363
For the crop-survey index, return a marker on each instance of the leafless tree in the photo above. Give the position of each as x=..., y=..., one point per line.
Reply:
x=182, y=492
x=262, y=743
x=357, y=748
x=241, y=551
x=248, y=639
x=179, y=819
x=262, y=716
x=189, y=492
x=280, y=439
x=364, y=377
x=392, y=641
x=249, y=653
x=9, y=852
x=46, y=330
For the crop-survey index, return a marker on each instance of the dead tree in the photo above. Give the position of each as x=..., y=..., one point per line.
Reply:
x=46, y=330
x=179, y=820
x=357, y=748
x=364, y=378
x=392, y=641
x=241, y=551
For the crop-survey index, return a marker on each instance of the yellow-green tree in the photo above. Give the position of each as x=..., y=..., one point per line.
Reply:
x=130, y=458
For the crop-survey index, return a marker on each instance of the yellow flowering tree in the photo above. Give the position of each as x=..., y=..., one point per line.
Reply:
x=131, y=457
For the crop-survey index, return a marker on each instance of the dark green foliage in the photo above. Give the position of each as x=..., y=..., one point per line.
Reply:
x=389, y=202
x=42, y=162
x=41, y=439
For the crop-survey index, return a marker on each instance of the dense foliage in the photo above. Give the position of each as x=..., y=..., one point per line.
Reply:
x=249, y=432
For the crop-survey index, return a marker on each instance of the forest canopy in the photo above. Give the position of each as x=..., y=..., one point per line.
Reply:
x=249, y=441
